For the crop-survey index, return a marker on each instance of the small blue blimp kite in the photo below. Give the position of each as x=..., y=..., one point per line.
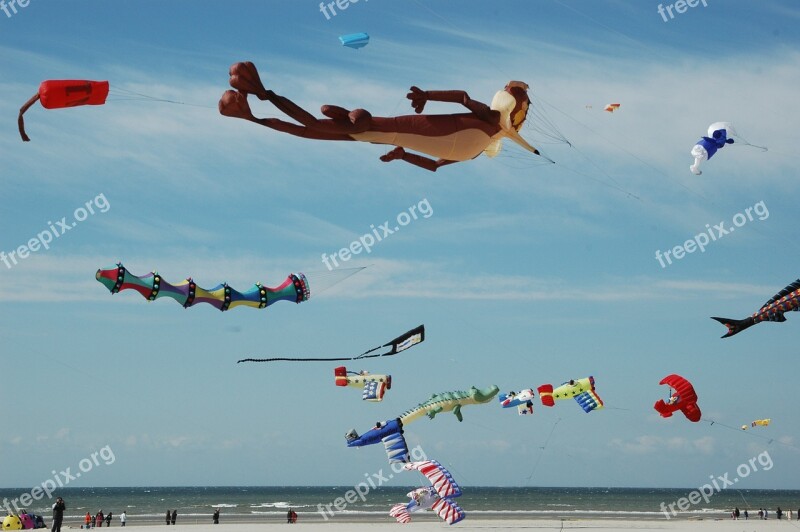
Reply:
x=354, y=40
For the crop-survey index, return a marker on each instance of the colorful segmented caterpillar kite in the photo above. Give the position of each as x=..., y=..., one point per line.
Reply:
x=152, y=286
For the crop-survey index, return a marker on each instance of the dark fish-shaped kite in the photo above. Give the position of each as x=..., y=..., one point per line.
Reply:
x=784, y=301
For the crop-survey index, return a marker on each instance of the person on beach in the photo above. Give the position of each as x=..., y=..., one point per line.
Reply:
x=736, y=513
x=294, y=517
x=98, y=519
x=289, y=516
x=87, y=521
x=746, y=515
x=108, y=519
x=168, y=514
x=765, y=513
x=216, y=516
x=174, y=516
x=122, y=518
x=779, y=512
x=58, y=514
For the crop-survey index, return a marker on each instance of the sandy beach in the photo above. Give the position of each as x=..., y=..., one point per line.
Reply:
x=427, y=522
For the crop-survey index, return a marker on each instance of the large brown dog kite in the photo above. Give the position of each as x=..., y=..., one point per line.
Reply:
x=451, y=138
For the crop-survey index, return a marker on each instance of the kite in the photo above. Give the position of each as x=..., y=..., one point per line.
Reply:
x=758, y=423
x=449, y=138
x=784, y=301
x=719, y=134
x=398, y=345
x=436, y=497
x=354, y=40
x=611, y=107
x=582, y=390
x=706, y=147
x=294, y=288
x=374, y=386
x=58, y=94
x=449, y=402
x=391, y=431
x=684, y=399
x=523, y=400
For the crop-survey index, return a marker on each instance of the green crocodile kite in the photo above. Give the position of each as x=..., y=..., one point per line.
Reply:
x=449, y=401
x=391, y=431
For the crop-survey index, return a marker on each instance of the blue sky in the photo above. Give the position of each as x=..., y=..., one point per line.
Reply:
x=525, y=273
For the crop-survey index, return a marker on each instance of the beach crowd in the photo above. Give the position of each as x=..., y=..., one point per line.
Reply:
x=763, y=513
x=97, y=520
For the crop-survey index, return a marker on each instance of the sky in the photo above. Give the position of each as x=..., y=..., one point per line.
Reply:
x=523, y=272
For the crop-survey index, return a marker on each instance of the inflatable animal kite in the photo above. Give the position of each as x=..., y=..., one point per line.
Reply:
x=611, y=107
x=758, y=423
x=784, y=301
x=582, y=390
x=436, y=497
x=523, y=400
x=719, y=134
x=57, y=94
x=683, y=398
x=374, y=386
x=391, y=432
x=449, y=138
x=295, y=288
x=449, y=402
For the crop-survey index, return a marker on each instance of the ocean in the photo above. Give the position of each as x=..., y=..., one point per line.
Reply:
x=253, y=504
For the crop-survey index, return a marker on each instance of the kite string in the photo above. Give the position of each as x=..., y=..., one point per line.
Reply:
x=347, y=272
x=131, y=95
x=544, y=116
x=546, y=441
x=750, y=433
x=623, y=149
